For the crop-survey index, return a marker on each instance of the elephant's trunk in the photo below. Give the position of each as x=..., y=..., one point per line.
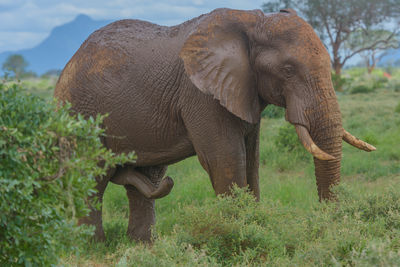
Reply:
x=327, y=132
x=324, y=141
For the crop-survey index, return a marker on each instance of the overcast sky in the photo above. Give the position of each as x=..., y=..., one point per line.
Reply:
x=25, y=23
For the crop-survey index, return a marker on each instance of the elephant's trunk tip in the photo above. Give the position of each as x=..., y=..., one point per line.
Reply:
x=163, y=189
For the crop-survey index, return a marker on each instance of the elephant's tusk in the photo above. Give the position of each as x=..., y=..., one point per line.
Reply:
x=309, y=144
x=354, y=141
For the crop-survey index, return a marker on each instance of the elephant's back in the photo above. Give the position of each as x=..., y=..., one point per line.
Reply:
x=114, y=59
x=125, y=33
x=136, y=41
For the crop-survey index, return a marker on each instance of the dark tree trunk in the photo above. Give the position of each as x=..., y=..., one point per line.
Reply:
x=373, y=60
x=337, y=81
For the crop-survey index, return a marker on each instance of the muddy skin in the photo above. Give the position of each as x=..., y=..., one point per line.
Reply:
x=199, y=88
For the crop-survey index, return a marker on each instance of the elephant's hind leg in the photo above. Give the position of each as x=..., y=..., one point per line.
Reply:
x=95, y=216
x=142, y=209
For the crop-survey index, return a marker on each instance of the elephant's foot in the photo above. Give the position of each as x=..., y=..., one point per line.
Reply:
x=129, y=176
x=99, y=235
x=141, y=215
x=95, y=219
x=139, y=234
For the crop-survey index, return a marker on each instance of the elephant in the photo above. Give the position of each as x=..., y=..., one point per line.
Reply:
x=199, y=88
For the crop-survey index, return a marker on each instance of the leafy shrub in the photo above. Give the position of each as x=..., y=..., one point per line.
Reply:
x=233, y=229
x=361, y=82
x=166, y=252
x=379, y=82
x=48, y=164
x=288, y=151
x=339, y=82
x=361, y=89
x=397, y=109
x=395, y=86
x=383, y=209
x=287, y=139
x=377, y=253
x=273, y=112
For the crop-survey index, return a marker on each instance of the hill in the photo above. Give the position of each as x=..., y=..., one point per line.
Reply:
x=63, y=41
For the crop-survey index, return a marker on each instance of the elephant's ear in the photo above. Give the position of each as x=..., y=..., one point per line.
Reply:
x=216, y=59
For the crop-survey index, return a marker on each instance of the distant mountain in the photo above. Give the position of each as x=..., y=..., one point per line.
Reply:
x=63, y=41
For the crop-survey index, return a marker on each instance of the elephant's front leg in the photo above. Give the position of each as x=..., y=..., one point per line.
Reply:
x=225, y=168
x=224, y=159
x=252, y=160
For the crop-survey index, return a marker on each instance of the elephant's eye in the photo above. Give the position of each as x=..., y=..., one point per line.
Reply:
x=287, y=71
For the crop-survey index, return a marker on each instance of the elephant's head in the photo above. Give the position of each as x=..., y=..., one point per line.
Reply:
x=247, y=59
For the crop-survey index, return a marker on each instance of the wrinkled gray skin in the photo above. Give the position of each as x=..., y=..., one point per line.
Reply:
x=199, y=88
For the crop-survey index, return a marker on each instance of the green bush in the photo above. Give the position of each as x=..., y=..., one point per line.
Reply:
x=379, y=82
x=48, y=163
x=287, y=139
x=397, y=109
x=166, y=252
x=233, y=230
x=273, y=112
x=362, y=82
x=377, y=253
x=289, y=151
x=395, y=86
x=361, y=89
x=339, y=82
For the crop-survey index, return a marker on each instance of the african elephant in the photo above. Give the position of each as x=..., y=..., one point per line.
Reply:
x=199, y=88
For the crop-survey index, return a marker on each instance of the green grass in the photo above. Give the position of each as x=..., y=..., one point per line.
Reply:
x=289, y=227
x=43, y=87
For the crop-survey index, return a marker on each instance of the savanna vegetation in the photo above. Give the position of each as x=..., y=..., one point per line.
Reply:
x=288, y=227
x=48, y=164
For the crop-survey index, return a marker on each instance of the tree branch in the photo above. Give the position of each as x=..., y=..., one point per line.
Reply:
x=59, y=174
x=372, y=46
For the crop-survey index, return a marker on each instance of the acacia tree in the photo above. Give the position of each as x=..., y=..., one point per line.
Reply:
x=372, y=56
x=336, y=20
x=15, y=64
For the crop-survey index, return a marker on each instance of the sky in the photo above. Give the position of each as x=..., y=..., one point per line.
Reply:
x=25, y=23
